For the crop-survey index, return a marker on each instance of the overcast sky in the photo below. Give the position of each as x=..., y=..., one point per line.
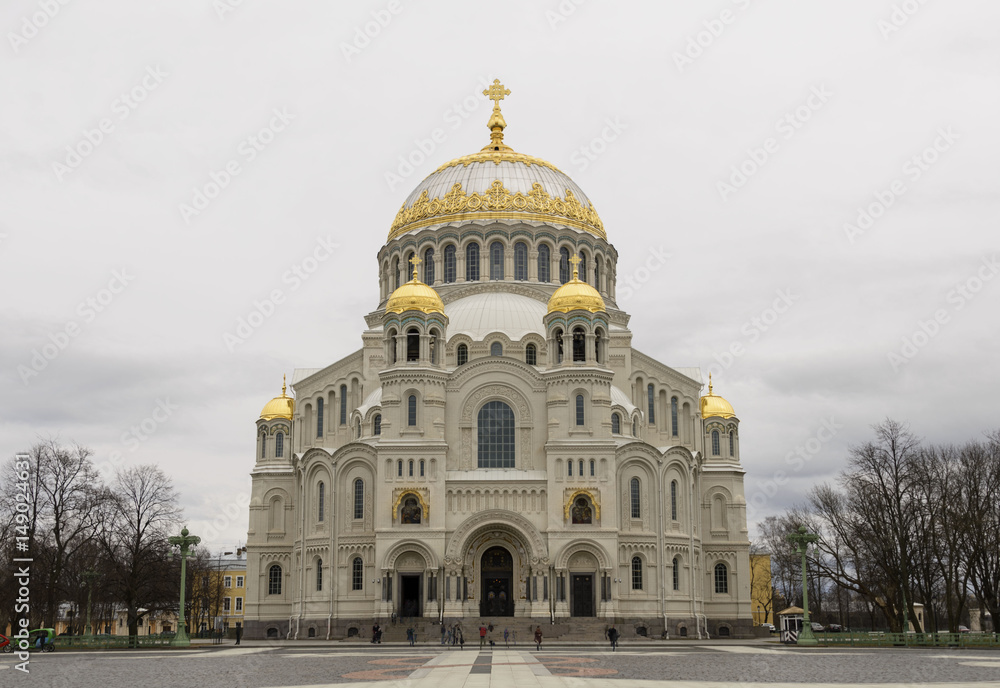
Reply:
x=821, y=177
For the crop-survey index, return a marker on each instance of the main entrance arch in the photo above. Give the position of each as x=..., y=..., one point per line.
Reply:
x=497, y=589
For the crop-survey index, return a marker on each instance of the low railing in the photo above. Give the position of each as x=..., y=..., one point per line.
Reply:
x=112, y=642
x=880, y=639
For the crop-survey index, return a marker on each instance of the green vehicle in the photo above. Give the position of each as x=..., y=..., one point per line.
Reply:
x=42, y=640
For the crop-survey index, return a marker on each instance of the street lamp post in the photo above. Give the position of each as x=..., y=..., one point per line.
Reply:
x=89, y=576
x=802, y=540
x=185, y=543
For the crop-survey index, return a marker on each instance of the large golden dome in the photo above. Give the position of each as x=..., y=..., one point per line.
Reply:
x=415, y=296
x=497, y=183
x=714, y=405
x=279, y=407
x=576, y=295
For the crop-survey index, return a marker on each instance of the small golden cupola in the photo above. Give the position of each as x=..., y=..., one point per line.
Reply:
x=714, y=405
x=415, y=296
x=576, y=295
x=279, y=407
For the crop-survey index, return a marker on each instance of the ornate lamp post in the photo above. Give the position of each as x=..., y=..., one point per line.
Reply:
x=89, y=576
x=802, y=540
x=185, y=543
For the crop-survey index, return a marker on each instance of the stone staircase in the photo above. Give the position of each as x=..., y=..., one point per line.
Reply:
x=577, y=630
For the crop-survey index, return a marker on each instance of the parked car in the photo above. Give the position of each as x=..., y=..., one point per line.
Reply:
x=817, y=627
x=964, y=629
x=834, y=628
x=768, y=626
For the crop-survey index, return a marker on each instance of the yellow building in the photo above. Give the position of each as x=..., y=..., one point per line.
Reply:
x=761, y=592
x=218, y=596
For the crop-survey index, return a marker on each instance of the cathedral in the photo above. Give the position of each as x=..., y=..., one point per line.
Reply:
x=496, y=447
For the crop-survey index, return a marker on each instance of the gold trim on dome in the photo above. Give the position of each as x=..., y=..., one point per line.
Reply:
x=416, y=492
x=580, y=493
x=457, y=204
x=497, y=157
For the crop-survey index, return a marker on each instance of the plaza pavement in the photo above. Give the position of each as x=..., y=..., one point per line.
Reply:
x=677, y=664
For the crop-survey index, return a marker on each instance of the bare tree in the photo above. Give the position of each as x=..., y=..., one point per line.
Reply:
x=980, y=478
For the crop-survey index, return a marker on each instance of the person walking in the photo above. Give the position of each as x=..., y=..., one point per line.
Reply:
x=612, y=634
x=411, y=635
x=538, y=637
x=482, y=636
x=239, y=633
x=444, y=633
x=506, y=638
x=489, y=635
x=461, y=638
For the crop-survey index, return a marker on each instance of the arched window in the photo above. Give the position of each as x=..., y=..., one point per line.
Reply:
x=495, y=435
x=597, y=274
x=544, y=263
x=580, y=419
x=496, y=349
x=395, y=272
x=274, y=580
x=410, y=469
x=520, y=261
x=616, y=424
x=433, y=345
x=357, y=429
x=636, y=573
x=531, y=355
x=429, y=266
x=721, y=579
x=472, y=262
x=677, y=574
x=635, y=427
x=569, y=467
x=319, y=575
x=411, y=410
x=634, y=494
x=449, y=264
x=583, y=266
x=357, y=574
x=579, y=467
x=263, y=445
x=593, y=468
x=421, y=468
x=732, y=443
x=390, y=340
x=343, y=404
x=359, y=498
x=377, y=423
x=279, y=445
x=496, y=261
x=673, y=416
x=715, y=443
x=463, y=354
x=598, y=346
x=408, y=267
x=319, y=417
x=558, y=336
x=399, y=468
x=651, y=402
x=673, y=500
x=563, y=265
x=321, y=502
x=412, y=344
x=579, y=345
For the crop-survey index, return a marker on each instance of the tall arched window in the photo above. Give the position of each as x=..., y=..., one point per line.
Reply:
x=673, y=416
x=634, y=495
x=651, y=402
x=732, y=444
x=583, y=266
x=321, y=502
x=411, y=410
x=579, y=468
x=449, y=264
x=558, y=336
x=319, y=575
x=520, y=261
x=496, y=349
x=579, y=345
x=357, y=429
x=544, y=263
x=421, y=468
x=274, y=580
x=463, y=354
x=412, y=344
x=636, y=573
x=377, y=425
x=495, y=435
x=408, y=267
x=472, y=262
x=616, y=424
x=319, y=417
x=429, y=266
x=580, y=419
x=597, y=274
x=399, y=468
x=263, y=445
x=569, y=468
x=593, y=468
x=279, y=445
x=721, y=579
x=673, y=500
x=359, y=498
x=410, y=469
x=677, y=574
x=531, y=355
x=563, y=265
x=390, y=340
x=598, y=347
x=496, y=261
x=343, y=404
x=635, y=427
x=715, y=443
x=357, y=574
x=395, y=272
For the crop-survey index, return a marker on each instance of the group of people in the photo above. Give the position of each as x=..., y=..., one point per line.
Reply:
x=452, y=635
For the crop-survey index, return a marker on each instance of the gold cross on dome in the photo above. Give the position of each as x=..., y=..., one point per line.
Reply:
x=496, y=92
x=575, y=260
x=416, y=261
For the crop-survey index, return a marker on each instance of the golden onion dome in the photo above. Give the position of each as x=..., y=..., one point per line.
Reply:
x=714, y=405
x=576, y=295
x=415, y=296
x=279, y=407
